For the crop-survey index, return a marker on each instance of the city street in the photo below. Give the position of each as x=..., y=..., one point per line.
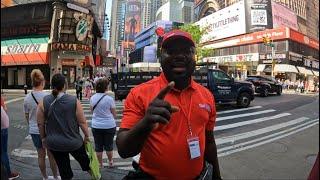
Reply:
x=276, y=137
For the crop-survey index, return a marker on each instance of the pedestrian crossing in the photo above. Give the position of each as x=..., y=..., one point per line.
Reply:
x=235, y=130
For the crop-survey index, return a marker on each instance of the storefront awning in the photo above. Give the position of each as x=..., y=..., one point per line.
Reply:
x=261, y=67
x=305, y=71
x=316, y=73
x=24, y=51
x=285, y=68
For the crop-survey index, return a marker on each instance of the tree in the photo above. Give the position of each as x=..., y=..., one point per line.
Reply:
x=197, y=34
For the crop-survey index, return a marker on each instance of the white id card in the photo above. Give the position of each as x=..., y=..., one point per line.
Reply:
x=194, y=147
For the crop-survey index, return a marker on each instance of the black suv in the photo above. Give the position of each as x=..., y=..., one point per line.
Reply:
x=265, y=85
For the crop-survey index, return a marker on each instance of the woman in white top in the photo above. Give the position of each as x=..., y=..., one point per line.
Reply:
x=88, y=87
x=103, y=121
x=30, y=109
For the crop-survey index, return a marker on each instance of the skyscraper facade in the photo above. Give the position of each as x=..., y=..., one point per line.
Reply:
x=117, y=25
x=146, y=13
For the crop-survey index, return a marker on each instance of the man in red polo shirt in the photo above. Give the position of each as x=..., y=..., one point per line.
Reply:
x=170, y=119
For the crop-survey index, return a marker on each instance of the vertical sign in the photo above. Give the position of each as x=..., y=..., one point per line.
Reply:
x=132, y=23
x=259, y=15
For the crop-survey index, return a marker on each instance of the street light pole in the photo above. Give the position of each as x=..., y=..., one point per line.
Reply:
x=272, y=58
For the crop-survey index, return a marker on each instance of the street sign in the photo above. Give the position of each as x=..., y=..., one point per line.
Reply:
x=77, y=8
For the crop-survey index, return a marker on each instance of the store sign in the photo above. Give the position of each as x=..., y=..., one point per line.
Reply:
x=233, y=58
x=282, y=16
x=77, y=8
x=23, y=48
x=69, y=62
x=295, y=57
x=70, y=47
x=82, y=29
x=258, y=15
x=253, y=38
x=301, y=38
x=227, y=22
x=276, y=56
x=311, y=63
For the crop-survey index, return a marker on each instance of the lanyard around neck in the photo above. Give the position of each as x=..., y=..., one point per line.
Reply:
x=188, y=114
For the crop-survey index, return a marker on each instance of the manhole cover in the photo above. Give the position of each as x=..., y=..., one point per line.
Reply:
x=278, y=148
x=311, y=158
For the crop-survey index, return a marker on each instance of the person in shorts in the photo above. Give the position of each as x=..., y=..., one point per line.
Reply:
x=103, y=121
x=30, y=107
x=59, y=117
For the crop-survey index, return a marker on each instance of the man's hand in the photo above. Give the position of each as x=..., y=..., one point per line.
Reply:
x=159, y=110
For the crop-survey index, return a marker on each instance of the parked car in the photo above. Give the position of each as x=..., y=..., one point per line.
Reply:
x=265, y=85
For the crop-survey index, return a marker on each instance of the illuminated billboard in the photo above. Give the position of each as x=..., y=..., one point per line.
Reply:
x=132, y=23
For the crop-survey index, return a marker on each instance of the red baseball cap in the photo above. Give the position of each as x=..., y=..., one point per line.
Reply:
x=177, y=34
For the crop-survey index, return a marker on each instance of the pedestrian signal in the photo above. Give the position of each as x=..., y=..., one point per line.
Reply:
x=82, y=64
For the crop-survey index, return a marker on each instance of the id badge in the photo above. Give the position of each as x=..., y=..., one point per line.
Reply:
x=194, y=147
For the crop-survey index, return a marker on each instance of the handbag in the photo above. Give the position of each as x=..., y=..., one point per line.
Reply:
x=98, y=102
x=94, y=163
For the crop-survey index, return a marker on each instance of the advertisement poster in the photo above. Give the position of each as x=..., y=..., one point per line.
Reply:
x=282, y=16
x=227, y=22
x=132, y=23
x=259, y=15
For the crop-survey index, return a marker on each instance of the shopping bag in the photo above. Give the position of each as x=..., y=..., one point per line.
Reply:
x=94, y=163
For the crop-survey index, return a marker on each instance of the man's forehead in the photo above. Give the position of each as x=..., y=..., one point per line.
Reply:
x=178, y=42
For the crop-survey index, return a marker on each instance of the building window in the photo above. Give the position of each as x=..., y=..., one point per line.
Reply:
x=186, y=14
x=39, y=11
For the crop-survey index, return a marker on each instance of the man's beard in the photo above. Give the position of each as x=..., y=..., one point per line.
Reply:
x=182, y=80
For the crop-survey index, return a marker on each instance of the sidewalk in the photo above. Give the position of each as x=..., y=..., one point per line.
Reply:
x=298, y=93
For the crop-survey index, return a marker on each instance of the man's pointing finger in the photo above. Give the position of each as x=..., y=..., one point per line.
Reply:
x=165, y=90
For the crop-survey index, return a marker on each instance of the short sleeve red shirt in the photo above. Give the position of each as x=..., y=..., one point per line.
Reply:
x=165, y=153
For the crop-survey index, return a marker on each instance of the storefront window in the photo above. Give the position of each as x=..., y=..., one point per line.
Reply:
x=280, y=46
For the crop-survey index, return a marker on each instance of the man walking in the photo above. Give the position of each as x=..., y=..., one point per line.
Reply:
x=79, y=85
x=170, y=119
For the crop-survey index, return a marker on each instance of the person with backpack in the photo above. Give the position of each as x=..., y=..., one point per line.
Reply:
x=30, y=108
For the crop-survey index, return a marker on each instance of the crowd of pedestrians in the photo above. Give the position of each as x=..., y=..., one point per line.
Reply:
x=299, y=86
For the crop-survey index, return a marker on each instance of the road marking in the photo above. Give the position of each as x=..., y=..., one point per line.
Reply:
x=238, y=110
x=245, y=115
x=232, y=139
x=129, y=168
x=243, y=123
x=13, y=100
x=241, y=148
x=27, y=153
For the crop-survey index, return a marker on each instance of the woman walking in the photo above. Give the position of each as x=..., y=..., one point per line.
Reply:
x=59, y=116
x=4, y=143
x=103, y=121
x=88, y=86
x=30, y=108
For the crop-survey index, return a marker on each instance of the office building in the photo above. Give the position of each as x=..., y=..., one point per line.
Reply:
x=177, y=11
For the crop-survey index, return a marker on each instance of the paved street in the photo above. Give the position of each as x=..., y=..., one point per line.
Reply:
x=284, y=127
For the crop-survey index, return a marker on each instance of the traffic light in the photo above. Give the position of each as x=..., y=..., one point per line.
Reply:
x=266, y=40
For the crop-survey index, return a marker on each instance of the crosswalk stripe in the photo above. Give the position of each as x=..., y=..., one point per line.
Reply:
x=239, y=110
x=237, y=137
x=241, y=147
x=243, y=123
x=34, y=154
x=244, y=115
